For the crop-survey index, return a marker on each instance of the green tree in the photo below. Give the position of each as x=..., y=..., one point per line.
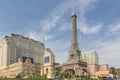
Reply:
x=118, y=72
x=113, y=71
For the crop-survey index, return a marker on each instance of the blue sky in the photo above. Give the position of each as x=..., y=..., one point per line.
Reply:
x=98, y=23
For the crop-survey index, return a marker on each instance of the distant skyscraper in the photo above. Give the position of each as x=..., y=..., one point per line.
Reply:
x=17, y=46
x=91, y=57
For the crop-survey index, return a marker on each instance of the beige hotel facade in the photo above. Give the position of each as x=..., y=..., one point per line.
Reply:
x=16, y=46
x=22, y=69
x=24, y=56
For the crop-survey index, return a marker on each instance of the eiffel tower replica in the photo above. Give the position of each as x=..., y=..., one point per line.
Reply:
x=74, y=64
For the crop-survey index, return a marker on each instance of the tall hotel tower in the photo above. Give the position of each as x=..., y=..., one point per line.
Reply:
x=17, y=46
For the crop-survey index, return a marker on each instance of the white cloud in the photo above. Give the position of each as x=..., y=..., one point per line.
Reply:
x=87, y=29
x=114, y=28
x=49, y=23
x=39, y=36
x=109, y=52
x=85, y=5
x=33, y=35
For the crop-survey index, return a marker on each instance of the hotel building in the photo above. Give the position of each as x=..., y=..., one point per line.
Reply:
x=94, y=69
x=17, y=46
x=91, y=57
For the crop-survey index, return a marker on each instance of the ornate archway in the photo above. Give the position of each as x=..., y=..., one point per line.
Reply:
x=70, y=71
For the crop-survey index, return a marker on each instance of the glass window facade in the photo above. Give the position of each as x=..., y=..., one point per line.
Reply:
x=46, y=59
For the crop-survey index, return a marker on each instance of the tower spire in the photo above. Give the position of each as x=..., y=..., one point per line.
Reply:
x=74, y=46
x=73, y=13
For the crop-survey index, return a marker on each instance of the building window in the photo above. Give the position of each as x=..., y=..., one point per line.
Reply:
x=46, y=59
